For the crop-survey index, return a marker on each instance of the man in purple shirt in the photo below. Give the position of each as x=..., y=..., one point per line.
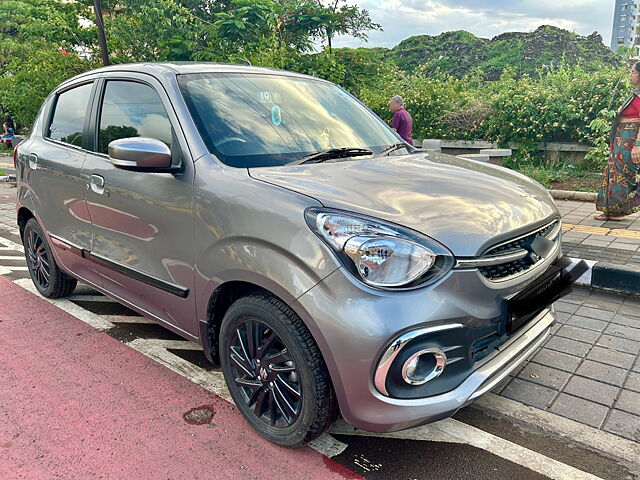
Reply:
x=401, y=122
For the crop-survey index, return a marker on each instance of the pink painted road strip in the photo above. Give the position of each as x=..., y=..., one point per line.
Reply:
x=78, y=404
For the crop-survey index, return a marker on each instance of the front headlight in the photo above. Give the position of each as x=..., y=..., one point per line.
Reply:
x=379, y=254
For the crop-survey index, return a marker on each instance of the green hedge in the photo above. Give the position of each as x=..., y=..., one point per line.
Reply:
x=553, y=106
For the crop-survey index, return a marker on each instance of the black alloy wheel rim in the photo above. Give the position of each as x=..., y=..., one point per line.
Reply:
x=265, y=374
x=39, y=261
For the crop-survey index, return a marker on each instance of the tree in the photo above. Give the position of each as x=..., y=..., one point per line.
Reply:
x=338, y=18
x=41, y=43
x=97, y=10
x=59, y=38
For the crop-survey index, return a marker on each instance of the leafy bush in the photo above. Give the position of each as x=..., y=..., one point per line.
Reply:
x=428, y=99
x=554, y=106
x=548, y=85
x=600, y=128
x=35, y=71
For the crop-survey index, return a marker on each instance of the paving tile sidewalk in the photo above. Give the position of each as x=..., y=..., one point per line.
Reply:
x=589, y=369
x=615, y=243
x=8, y=207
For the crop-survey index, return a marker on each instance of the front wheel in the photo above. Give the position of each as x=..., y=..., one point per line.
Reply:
x=50, y=281
x=275, y=372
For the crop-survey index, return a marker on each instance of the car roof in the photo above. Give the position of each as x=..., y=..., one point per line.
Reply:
x=181, y=68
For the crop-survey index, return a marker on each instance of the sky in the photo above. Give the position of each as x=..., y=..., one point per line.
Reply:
x=401, y=19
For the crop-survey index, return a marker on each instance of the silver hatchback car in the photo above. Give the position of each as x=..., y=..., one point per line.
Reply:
x=271, y=217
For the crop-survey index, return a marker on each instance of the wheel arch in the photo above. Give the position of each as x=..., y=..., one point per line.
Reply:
x=219, y=302
x=24, y=215
x=228, y=292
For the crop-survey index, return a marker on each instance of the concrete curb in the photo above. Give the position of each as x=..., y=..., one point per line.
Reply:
x=608, y=277
x=571, y=195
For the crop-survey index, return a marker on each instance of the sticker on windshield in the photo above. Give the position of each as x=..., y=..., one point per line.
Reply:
x=276, y=115
x=265, y=97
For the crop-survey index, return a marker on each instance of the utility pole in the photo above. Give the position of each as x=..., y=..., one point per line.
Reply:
x=97, y=8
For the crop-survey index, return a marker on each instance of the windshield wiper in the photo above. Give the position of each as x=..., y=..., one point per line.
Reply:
x=330, y=153
x=394, y=147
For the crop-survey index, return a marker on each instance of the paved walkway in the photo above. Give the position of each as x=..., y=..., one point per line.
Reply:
x=589, y=369
x=8, y=207
x=616, y=243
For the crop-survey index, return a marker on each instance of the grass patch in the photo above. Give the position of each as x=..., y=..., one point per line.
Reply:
x=580, y=178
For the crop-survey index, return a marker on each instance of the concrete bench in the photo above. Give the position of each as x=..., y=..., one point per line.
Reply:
x=496, y=155
x=478, y=157
x=432, y=144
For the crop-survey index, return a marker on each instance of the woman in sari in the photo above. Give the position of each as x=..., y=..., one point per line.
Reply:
x=618, y=195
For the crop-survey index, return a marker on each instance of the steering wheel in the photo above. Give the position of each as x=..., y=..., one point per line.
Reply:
x=230, y=139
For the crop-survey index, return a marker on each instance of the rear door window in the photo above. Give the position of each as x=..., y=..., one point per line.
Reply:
x=67, y=122
x=131, y=109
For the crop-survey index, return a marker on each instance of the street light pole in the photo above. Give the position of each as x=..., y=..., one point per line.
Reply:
x=97, y=8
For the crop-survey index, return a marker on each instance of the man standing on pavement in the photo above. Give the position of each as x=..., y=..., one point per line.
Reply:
x=401, y=122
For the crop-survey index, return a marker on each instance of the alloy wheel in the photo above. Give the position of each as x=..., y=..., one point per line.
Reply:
x=39, y=261
x=265, y=374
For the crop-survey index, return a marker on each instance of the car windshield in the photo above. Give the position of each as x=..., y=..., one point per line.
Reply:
x=257, y=120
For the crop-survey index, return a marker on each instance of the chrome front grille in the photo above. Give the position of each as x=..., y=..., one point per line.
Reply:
x=513, y=257
x=498, y=272
x=519, y=244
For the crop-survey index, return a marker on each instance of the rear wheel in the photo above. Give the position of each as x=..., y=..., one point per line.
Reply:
x=275, y=372
x=50, y=281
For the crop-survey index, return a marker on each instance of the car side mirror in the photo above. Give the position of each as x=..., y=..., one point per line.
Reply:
x=140, y=154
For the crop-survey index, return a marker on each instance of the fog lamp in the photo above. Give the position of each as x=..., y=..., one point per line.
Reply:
x=424, y=366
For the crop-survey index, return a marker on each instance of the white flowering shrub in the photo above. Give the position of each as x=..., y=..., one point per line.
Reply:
x=554, y=106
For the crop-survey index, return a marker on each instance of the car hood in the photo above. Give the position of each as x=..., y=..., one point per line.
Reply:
x=464, y=204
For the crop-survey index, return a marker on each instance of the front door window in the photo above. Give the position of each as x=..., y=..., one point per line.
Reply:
x=131, y=109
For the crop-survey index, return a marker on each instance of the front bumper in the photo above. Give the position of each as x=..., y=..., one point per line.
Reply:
x=397, y=414
x=353, y=328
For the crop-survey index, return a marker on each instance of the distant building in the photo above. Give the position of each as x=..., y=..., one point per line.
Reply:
x=626, y=20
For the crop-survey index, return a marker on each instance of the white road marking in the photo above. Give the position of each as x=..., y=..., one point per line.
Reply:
x=15, y=269
x=178, y=344
x=96, y=321
x=129, y=319
x=13, y=257
x=11, y=245
x=450, y=430
x=157, y=350
x=366, y=464
x=92, y=298
x=328, y=445
x=214, y=382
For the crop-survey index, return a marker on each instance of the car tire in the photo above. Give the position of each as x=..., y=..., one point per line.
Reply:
x=47, y=277
x=279, y=382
